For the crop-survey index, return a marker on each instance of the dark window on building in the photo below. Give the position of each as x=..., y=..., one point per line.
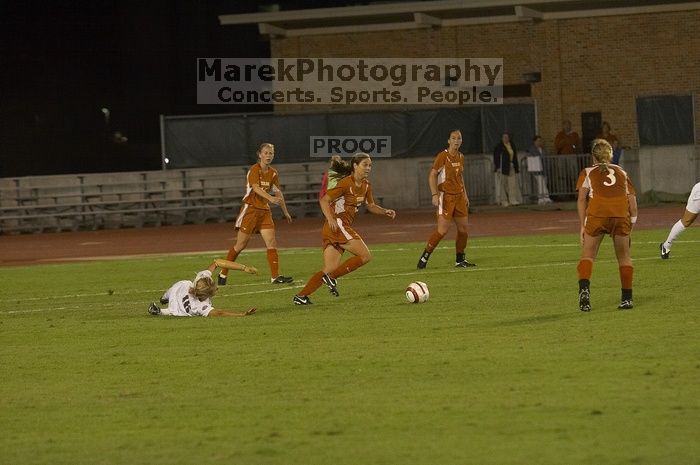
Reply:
x=666, y=120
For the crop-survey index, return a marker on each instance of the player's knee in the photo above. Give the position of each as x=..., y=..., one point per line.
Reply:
x=366, y=257
x=687, y=221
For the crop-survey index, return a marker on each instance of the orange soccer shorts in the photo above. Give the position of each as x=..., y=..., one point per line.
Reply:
x=344, y=234
x=252, y=220
x=452, y=205
x=615, y=226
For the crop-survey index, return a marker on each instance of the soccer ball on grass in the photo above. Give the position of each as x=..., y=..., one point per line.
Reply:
x=417, y=292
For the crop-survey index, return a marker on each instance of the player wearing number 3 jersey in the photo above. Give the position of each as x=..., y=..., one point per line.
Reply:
x=607, y=204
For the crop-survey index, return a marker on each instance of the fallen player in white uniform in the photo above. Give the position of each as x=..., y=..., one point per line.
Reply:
x=193, y=298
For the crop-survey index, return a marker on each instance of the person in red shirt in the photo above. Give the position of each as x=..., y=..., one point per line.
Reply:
x=262, y=189
x=567, y=140
x=607, y=204
x=339, y=207
x=446, y=181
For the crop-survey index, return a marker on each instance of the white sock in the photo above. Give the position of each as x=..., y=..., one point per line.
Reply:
x=676, y=231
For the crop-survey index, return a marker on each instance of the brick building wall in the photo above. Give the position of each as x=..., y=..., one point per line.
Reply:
x=588, y=64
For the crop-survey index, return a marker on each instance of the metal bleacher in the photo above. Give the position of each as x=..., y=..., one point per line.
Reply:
x=137, y=199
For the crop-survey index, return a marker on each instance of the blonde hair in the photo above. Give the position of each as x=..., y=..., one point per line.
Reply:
x=263, y=145
x=345, y=168
x=602, y=152
x=203, y=288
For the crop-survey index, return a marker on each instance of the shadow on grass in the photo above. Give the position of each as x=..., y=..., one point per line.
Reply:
x=539, y=319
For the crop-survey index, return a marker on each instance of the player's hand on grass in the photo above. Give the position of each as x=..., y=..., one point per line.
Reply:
x=390, y=213
x=250, y=269
x=250, y=311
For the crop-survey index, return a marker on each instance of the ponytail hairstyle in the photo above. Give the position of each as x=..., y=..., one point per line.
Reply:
x=346, y=168
x=602, y=152
x=203, y=288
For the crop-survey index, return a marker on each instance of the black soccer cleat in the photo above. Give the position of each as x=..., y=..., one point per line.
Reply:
x=164, y=300
x=221, y=280
x=301, y=300
x=626, y=305
x=331, y=284
x=153, y=309
x=422, y=263
x=282, y=280
x=584, y=300
x=665, y=253
x=464, y=264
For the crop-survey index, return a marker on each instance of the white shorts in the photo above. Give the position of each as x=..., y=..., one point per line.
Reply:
x=694, y=200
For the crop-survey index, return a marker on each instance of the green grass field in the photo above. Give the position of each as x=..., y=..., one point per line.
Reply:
x=499, y=367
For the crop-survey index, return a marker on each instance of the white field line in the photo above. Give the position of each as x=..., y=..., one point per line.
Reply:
x=297, y=286
x=311, y=251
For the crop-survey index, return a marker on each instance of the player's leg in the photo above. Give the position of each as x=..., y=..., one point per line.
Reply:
x=624, y=260
x=240, y=245
x=461, y=218
x=331, y=259
x=680, y=226
x=591, y=244
x=443, y=224
x=361, y=256
x=268, y=236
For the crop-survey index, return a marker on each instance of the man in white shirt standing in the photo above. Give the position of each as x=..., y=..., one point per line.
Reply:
x=193, y=298
x=535, y=166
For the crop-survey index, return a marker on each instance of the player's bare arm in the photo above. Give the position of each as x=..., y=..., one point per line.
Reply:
x=282, y=204
x=432, y=182
x=326, y=209
x=261, y=192
x=632, y=202
x=378, y=210
x=581, y=203
x=216, y=312
x=229, y=265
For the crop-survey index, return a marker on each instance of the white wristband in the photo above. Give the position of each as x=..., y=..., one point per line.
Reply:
x=633, y=219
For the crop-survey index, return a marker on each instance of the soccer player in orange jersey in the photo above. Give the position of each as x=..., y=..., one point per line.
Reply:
x=450, y=197
x=262, y=189
x=339, y=206
x=607, y=204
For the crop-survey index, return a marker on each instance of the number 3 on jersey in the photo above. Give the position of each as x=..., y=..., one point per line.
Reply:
x=613, y=179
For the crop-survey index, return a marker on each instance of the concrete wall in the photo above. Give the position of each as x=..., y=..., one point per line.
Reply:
x=401, y=183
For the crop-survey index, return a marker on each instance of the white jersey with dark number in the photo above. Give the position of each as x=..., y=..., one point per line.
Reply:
x=182, y=303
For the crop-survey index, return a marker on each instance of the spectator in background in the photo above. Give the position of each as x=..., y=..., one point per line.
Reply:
x=505, y=160
x=329, y=181
x=567, y=141
x=612, y=139
x=535, y=166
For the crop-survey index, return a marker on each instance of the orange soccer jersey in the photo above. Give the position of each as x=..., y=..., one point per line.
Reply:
x=607, y=191
x=265, y=181
x=346, y=198
x=450, y=170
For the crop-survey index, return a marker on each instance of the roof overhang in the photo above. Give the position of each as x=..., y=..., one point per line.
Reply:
x=443, y=13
